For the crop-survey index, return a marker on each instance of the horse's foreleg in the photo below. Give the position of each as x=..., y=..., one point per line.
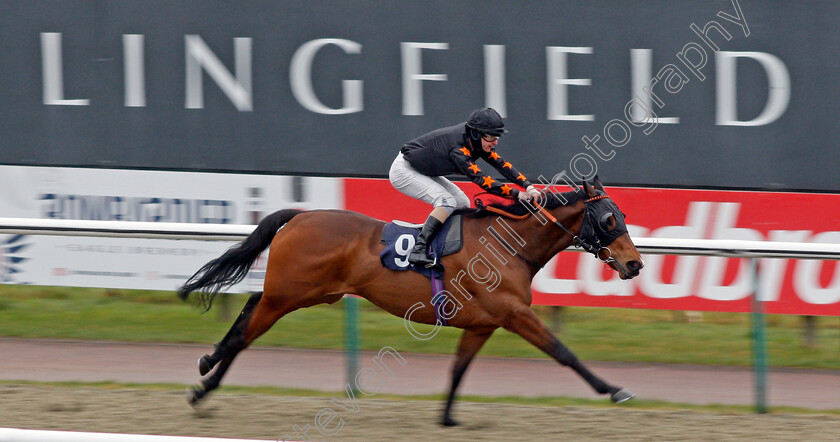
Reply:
x=471, y=343
x=524, y=322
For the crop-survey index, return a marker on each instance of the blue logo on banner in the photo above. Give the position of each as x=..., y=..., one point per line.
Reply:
x=10, y=257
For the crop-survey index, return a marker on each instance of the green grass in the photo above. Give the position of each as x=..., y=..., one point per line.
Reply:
x=592, y=333
x=639, y=404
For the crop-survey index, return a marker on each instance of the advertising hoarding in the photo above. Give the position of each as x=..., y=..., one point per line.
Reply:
x=707, y=283
x=146, y=196
x=704, y=283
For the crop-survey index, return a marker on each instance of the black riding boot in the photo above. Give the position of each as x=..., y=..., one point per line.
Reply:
x=419, y=255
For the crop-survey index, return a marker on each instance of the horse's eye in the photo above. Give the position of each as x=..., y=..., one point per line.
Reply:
x=607, y=222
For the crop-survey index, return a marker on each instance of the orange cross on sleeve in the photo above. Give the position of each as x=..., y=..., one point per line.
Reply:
x=508, y=165
x=464, y=151
x=521, y=177
x=494, y=155
x=506, y=190
x=474, y=168
x=488, y=182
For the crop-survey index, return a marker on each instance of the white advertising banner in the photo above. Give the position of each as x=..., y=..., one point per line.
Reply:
x=148, y=196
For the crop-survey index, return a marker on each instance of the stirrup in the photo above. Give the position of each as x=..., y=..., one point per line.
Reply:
x=422, y=259
x=431, y=264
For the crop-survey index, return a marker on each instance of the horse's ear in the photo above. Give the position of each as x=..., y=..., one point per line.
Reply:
x=598, y=185
x=590, y=191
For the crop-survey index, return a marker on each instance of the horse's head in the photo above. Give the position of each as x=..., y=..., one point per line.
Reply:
x=604, y=233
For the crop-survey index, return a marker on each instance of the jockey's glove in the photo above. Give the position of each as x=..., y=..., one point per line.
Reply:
x=530, y=194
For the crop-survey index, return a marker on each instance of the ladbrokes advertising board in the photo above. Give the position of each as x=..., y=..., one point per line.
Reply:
x=679, y=282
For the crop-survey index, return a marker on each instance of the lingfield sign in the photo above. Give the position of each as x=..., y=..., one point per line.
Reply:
x=693, y=94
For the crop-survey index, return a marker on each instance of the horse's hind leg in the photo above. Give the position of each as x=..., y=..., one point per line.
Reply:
x=471, y=343
x=524, y=322
x=207, y=362
x=258, y=315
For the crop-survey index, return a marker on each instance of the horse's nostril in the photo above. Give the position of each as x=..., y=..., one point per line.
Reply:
x=635, y=265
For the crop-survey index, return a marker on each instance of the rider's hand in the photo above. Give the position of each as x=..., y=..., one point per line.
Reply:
x=530, y=194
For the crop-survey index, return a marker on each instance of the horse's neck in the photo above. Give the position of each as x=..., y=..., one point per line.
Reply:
x=547, y=239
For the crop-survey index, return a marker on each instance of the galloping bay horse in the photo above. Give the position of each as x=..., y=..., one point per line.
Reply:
x=318, y=256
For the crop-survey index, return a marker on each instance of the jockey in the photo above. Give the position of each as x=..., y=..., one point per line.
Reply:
x=419, y=168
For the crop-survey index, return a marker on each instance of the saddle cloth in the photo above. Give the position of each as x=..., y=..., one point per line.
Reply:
x=399, y=238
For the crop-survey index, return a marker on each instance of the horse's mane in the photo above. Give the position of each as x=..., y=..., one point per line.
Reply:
x=552, y=200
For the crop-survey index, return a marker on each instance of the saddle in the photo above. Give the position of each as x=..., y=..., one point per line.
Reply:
x=399, y=238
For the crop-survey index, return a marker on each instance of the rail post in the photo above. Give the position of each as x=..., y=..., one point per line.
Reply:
x=759, y=342
x=351, y=335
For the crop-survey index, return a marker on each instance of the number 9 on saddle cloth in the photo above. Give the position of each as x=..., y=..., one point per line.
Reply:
x=399, y=238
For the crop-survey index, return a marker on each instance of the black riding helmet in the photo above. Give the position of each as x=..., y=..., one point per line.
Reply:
x=486, y=121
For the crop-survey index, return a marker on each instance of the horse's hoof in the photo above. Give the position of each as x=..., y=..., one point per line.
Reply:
x=448, y=422
x=194, y=395
x=204, y=365
x=622, y=395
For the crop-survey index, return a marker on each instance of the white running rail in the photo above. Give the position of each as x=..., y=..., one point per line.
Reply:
x=236, y=232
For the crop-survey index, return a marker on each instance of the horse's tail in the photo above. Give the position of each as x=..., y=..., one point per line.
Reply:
x=233, y=265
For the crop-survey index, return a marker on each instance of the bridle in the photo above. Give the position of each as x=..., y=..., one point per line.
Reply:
x=588, y=240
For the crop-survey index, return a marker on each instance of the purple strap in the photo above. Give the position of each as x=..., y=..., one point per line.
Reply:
x=437, y=301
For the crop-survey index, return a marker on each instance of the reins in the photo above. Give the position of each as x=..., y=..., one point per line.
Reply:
x=578, y=241
x=505, y=214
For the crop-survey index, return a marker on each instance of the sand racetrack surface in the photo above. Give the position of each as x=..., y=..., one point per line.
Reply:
x=273, y=417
